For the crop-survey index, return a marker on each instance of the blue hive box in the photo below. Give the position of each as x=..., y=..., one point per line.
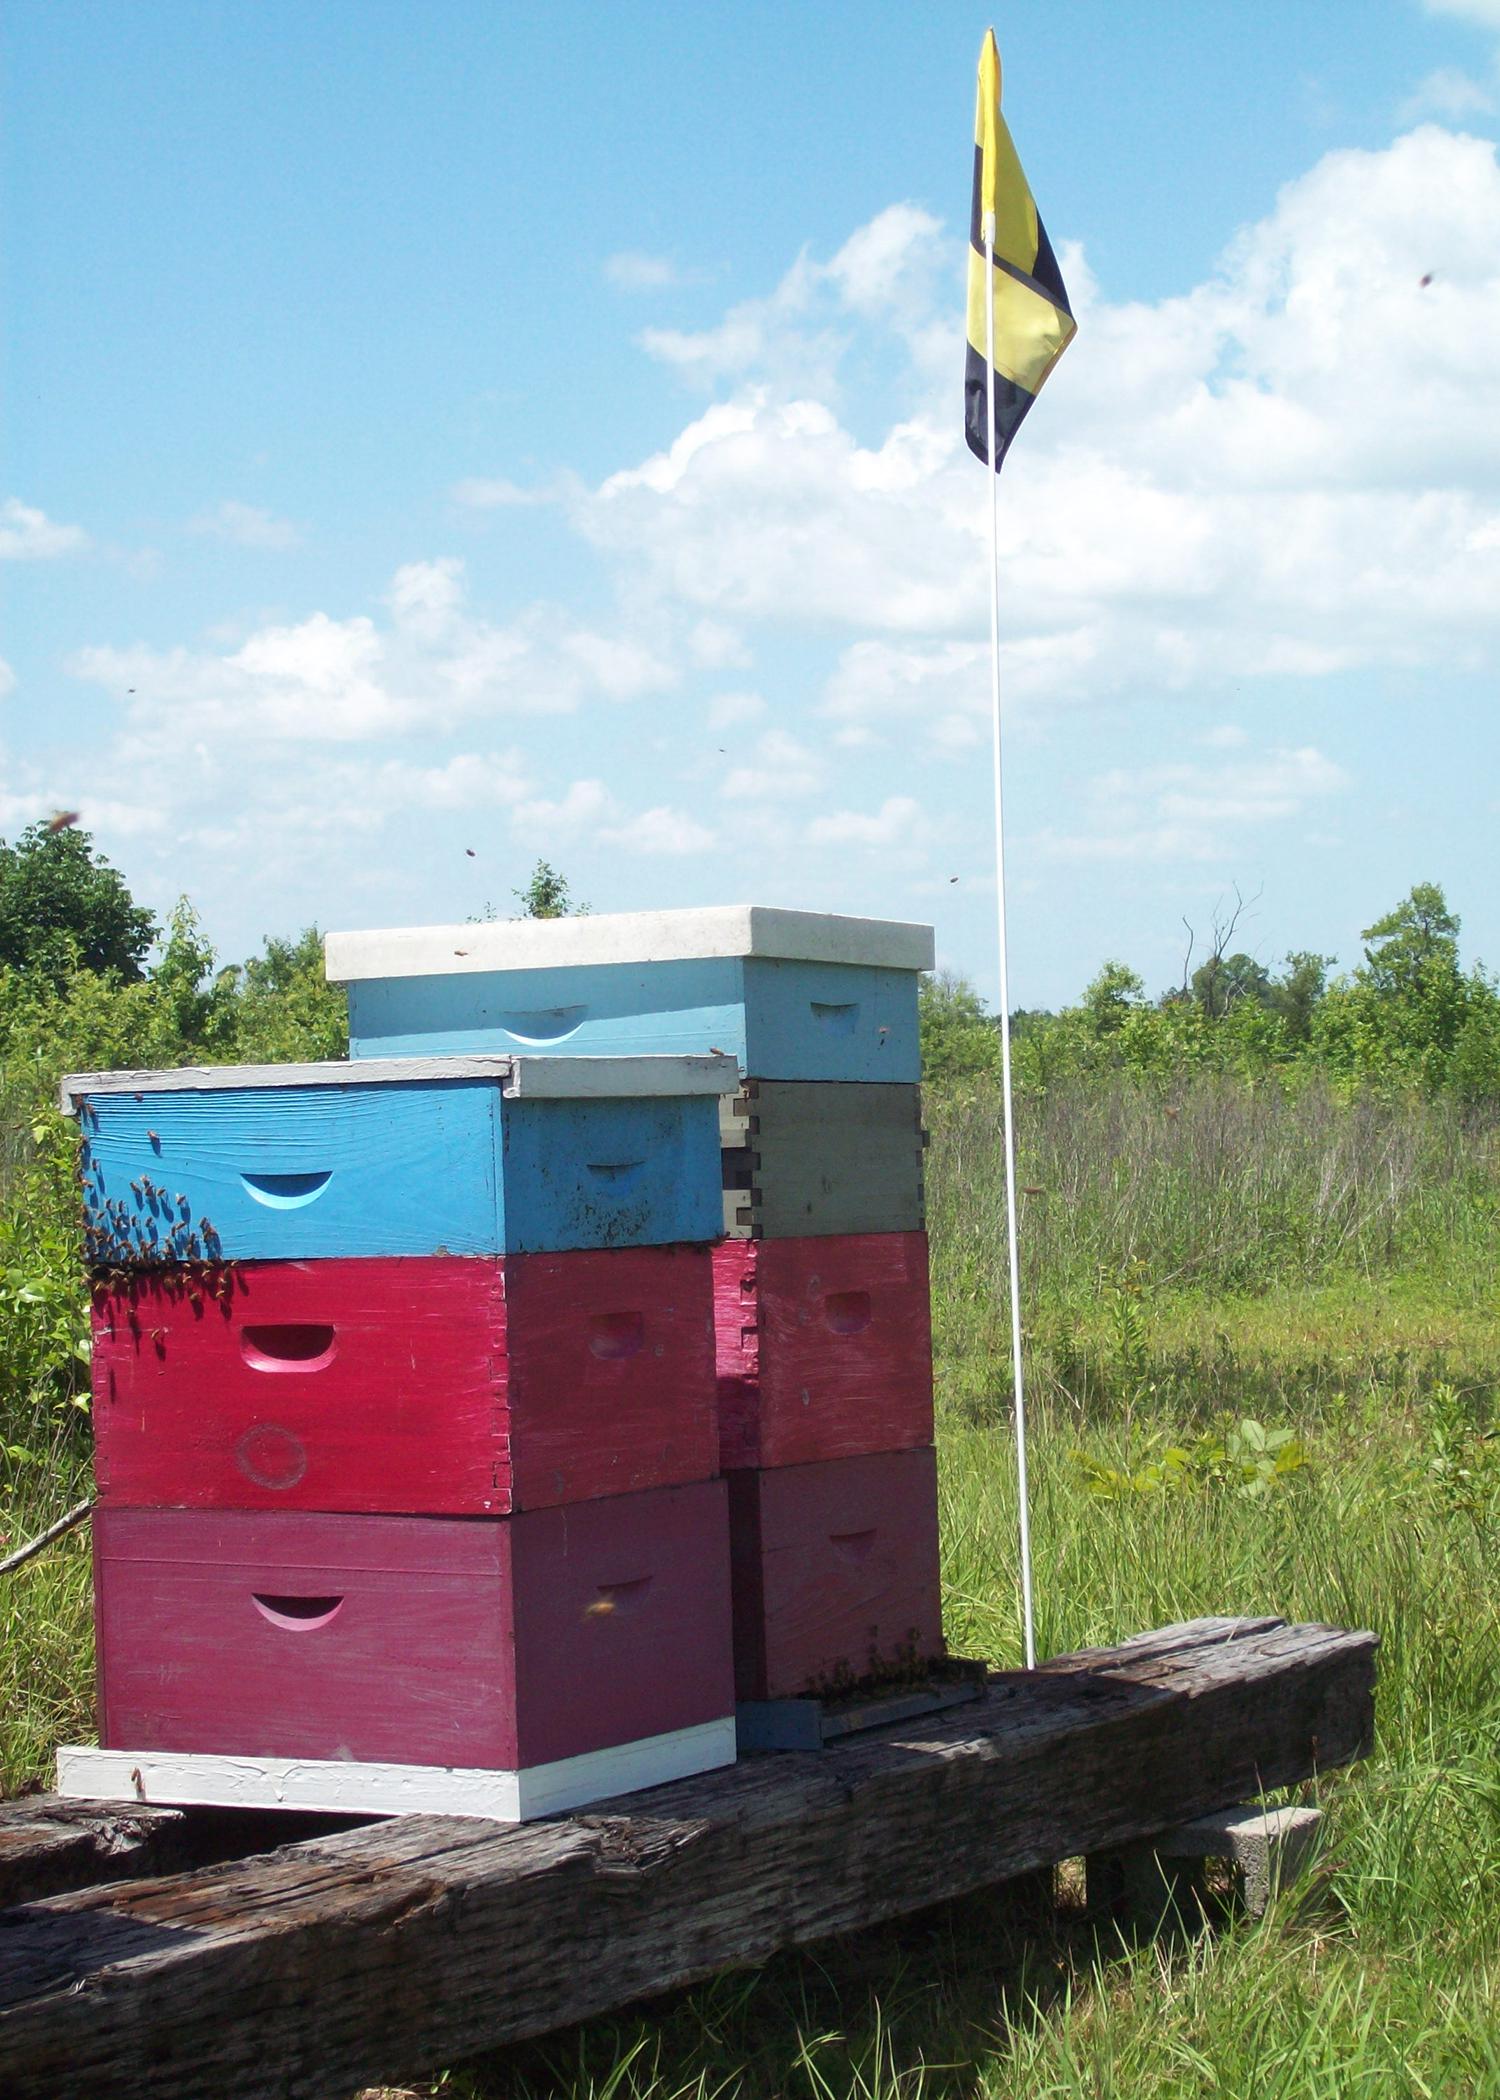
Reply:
x=486, y=1155
x=788, y=994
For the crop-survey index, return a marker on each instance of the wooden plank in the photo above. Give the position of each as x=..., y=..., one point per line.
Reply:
x=823, y=1347
x=49, y=1845
x=542, y=1078
x=698, y=933
x=822, y=1158
x=835, y=1573
x=502, y=1642
x=80, y=1087
x=430, y=1386
x=387, y=1952
x=623, y=1078
x=358, y=1787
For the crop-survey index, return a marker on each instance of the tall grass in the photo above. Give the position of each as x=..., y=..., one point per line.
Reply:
x=1215, y=1185
x=1218, y=1246
x=46, y=1618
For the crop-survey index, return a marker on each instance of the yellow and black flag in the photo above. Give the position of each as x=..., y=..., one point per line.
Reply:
x=1033, y=321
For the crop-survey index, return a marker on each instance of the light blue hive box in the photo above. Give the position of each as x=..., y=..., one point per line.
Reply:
x=485, y=1155
x=790, y=995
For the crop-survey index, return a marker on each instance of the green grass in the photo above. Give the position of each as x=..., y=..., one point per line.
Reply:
x=1384, y=1983
x=1380, y=1346
x=46, y=1621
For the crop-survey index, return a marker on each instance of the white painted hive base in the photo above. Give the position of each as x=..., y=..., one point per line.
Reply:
x=203, y=1779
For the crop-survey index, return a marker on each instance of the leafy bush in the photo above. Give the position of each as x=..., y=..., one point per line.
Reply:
x=1247, y=1457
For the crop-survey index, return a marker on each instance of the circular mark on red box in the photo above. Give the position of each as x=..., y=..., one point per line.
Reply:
x=271, y=1457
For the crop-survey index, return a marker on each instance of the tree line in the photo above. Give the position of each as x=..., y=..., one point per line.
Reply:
x=1407, y=1016
x=90, y=979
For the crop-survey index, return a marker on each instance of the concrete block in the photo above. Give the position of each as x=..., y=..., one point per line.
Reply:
x=1266, y=1847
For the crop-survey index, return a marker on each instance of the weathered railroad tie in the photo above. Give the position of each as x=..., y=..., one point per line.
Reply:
x=390, y=1949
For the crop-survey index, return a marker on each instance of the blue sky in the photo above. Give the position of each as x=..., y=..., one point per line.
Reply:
x=435, y=437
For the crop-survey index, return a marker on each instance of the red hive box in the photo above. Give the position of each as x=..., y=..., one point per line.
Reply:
x=835, y=1573
x=506, y=1643
x=436, y=1385
x=824, y=1347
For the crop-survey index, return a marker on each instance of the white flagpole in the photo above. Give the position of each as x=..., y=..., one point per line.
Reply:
x=1028, y=1621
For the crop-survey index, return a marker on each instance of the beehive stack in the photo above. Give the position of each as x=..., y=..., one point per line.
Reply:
x=405, y=1443
x=821, y=1287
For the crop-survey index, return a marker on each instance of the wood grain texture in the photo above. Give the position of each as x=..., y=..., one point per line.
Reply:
x=823, y=1347
x=383, y=1954
x=416, y=1641
x=807, y=1158
x=429, y=1167
x=49, y=1845
x=780, y=1019
x=429, y=1386
x=835, y=1573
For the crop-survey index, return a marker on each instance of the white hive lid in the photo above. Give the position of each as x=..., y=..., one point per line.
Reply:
x=628, y=937
x=539, y=1078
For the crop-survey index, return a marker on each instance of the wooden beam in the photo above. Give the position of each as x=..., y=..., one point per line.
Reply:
x=48, y=1845
x=399, y=1947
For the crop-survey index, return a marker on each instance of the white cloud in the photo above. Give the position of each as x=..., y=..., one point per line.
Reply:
x=911, y=689
x=898, y=820
x=780, y=768
x=470, y=780
x=715, y=647
x=889, y=265
x=621, y=668
x=735, y=710
x=789, y=333
x=27, y=534
x=1447, y=92
x=769, y=510
x=1194, y=811
x=1292, y=470
x=1484, y=14
x=634, y=271
x=580, y=810
x=245, y=525
x=669, y=831
x=939, y=692
x=361, y=796
x=589, y=810
x=494, y=492
x=433, y=667
x=28, y=805
x=888, y=271
x=426, y=595
x=7, y=678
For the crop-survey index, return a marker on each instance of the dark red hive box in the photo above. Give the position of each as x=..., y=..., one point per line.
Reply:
x=824, y=1347
x=501, y=1643
x=437, y=1385
x=835, y=1571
